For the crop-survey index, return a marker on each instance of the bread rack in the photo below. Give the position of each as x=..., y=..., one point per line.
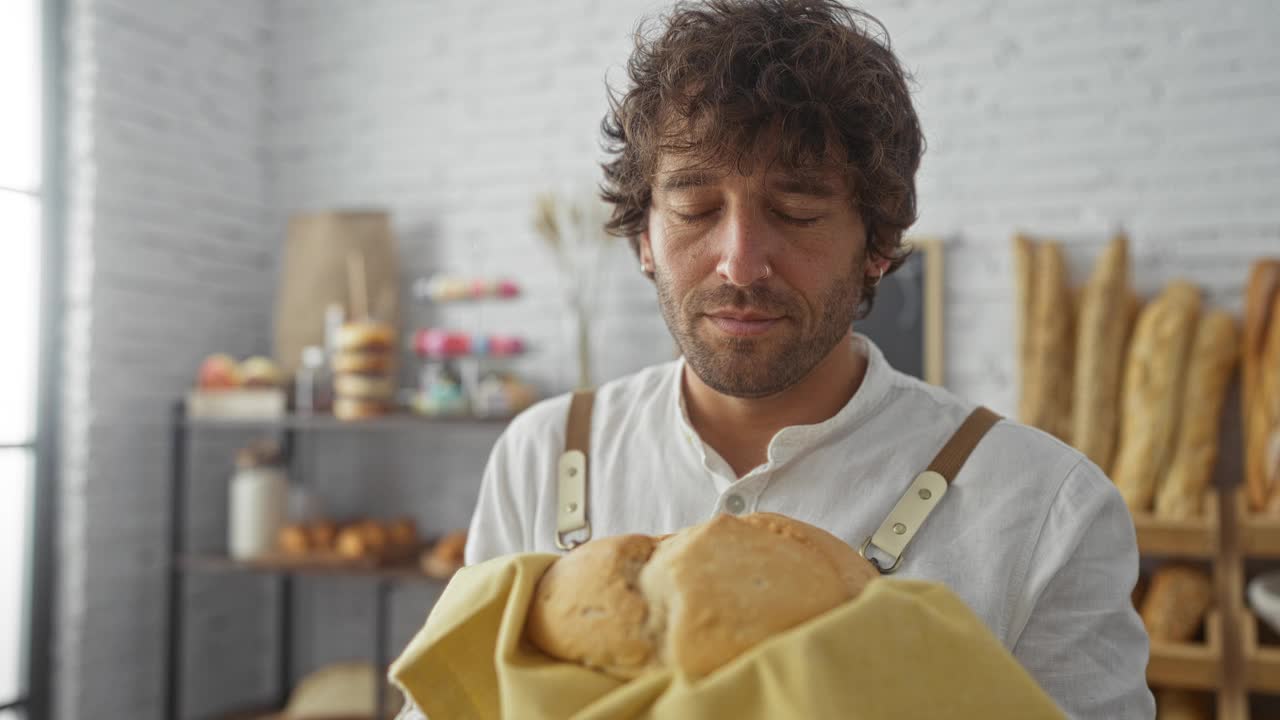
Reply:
x=184, y=562
x=1230, y=662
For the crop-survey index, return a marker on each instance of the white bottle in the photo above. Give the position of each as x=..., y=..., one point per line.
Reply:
x=259, y=505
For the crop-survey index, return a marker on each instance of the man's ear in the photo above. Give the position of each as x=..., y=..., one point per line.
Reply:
x=646, y=250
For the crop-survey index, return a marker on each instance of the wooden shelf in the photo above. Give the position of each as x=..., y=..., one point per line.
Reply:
x=1193, y=666
x=1259, y=534
x=395, y=421
x=1262, y=662
x=223, y=564
x=1193, y=538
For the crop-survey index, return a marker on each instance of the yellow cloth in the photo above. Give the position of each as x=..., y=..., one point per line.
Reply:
x=903, y=650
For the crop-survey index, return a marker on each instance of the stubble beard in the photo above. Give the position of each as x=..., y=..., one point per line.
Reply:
x=757, y=367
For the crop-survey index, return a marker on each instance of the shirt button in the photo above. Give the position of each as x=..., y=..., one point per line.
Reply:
x=735, y=504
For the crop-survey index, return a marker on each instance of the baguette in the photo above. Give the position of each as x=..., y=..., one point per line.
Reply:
x=1103, y=330
x=1269, y=392
x=1264, y=282
x=1153, y=388
x=1175, y=605
x=1050, y=344
x=1213, y=359
x=1024, y=286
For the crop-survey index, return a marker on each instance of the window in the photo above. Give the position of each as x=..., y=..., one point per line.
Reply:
x=22, y=245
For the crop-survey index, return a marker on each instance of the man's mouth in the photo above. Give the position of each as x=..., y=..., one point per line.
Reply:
x=743, y=323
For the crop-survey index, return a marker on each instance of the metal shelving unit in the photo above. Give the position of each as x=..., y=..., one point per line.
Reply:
x=182, y=562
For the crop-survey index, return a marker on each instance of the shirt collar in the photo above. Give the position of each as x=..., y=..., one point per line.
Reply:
x=794, y=440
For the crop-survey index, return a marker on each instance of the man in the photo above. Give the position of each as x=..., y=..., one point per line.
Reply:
x=763, y=167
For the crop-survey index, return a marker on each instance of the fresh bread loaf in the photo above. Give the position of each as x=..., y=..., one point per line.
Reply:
x=1260, y=294
x=1176, y=603
x=1153, y=388
x=1213, y=360
x=693, y=600
x=1051, y=342
x=1101, y=338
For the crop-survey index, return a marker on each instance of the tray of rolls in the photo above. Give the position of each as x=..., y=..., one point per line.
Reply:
x=364, y=544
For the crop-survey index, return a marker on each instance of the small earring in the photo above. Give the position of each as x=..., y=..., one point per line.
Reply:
x=644, y=269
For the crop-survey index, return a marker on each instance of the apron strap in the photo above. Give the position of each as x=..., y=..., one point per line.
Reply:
x=924, y=493
x=571, y=503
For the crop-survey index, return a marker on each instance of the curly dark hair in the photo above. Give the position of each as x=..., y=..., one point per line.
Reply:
x=818, y=76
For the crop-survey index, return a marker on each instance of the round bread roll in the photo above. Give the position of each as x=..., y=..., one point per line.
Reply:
x=260, y=371
x=364, y=387
x=693, y=600
x=403, y=532
x=375, y=363
x=375, y=537
x=322, y=534
x=293, y=540
x=365, y=336
x=346, y=408
x=445, y=558
x=351, y=543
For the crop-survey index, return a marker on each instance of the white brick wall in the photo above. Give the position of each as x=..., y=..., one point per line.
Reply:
x=1069, y=119
x=168, y=259
x=199, y=126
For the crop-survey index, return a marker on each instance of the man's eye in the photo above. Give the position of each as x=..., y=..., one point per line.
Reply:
x=800, y=221
x=692, y=217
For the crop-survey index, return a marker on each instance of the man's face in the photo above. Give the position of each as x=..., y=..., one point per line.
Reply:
x=758, y=275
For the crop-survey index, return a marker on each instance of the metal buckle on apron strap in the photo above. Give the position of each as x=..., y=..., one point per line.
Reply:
x=904, y=520
x=571, y=513
x=925, y=491
x=571, y=502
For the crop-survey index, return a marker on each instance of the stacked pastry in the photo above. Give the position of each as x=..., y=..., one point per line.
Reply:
x=364, y=371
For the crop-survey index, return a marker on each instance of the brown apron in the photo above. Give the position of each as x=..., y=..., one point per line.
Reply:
x=889, y=540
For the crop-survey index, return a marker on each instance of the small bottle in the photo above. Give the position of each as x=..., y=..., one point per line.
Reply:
x=313, y=387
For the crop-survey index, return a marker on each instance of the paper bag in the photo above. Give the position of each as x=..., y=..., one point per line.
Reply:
x=315, y=272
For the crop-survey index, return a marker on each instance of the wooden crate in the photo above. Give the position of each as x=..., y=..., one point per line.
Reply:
x=1192, y=538
x=1262, y=662
x=1259, y=534
x=1193, y=666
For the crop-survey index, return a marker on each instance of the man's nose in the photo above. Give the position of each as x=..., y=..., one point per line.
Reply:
x=745, y=241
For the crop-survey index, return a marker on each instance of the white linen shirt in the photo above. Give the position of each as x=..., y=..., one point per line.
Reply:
x=1031, y=535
